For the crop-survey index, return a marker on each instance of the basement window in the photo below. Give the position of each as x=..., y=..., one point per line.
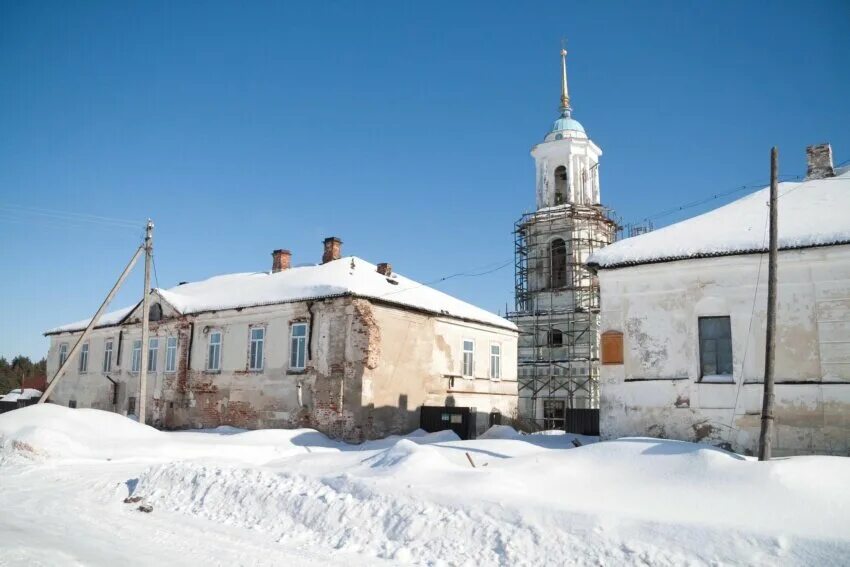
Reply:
x=715, y=349
x=72, y=403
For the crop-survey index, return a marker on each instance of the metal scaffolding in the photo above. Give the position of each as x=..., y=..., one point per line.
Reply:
x=557, y=303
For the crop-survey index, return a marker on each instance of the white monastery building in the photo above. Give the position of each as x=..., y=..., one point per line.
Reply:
x=556, y=295
x=683, y=321
x=346, y=347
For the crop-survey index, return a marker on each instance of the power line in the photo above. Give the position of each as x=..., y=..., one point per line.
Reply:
x=66, y=216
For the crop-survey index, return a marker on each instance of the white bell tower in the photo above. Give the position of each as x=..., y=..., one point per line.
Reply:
x=567, y=161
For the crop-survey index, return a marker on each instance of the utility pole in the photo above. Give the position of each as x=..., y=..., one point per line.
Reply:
x=143, y=370
x=770, y=339
x=71, y=355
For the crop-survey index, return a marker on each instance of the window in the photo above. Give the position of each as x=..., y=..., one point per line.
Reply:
x=131, y=405
x=555, y=338
x=214, y=351
x=468, y=357
x=715, y=349
x=63, y=353
x=107, y=356
x=84, y=358
x=153, y=353
x=258, y=339
x=553, y=413
x=171, y=354
x=495, y=361
x=155, y=312
x=136, y=364
x=72, y=403
x=612, y=347
x=298, y=346
x=558, y=257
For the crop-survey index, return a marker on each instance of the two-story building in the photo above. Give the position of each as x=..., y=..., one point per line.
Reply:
x=347, y=347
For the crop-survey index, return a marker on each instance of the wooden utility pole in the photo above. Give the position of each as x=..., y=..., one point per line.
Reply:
x=143, y=370
x=71, y=355
x=770, y=339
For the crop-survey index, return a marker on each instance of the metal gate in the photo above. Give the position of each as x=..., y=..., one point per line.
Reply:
x=435, y=418
x=582, y=421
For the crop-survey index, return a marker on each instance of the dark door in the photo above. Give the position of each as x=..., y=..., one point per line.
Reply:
x=433, y=418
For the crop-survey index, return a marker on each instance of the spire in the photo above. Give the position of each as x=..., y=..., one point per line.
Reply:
x=565, y=94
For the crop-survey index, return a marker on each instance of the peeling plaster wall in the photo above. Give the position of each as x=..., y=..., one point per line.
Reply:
x=656, y=390
x=421, y=358
x=369, y=369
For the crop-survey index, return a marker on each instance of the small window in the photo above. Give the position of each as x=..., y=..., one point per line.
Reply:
x=553, y=413
x=612, y=347
x=136, y=364
x=214, y=352
x=63, y=353
x=715, y=348
x=171, y=354
x=153, y=353
x=495, y=361
x=298, y=346
x=258, y=339
x=468, y=358
x=72, y=403
x=107, y=356
x=84, y=358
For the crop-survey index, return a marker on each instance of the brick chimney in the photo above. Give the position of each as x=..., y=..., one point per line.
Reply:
x=385, y=269
x=333, y=249
x=280, y=260
x=819, y=158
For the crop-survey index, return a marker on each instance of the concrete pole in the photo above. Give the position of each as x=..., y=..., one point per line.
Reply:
x=92, y=323
x=769, y=349
x=143, y=370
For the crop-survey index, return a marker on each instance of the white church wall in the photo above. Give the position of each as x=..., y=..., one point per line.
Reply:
x=656, y=391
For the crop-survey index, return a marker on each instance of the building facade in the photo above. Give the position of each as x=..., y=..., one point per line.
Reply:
x=556, y=296
x=346, y=347
x=683, y=321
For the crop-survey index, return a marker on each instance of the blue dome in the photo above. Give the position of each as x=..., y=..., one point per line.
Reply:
x=566, y=122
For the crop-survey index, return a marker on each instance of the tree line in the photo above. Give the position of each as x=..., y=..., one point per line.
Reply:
x=21, y=367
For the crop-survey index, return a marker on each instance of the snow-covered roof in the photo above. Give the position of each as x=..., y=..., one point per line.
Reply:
x=813, y=212
x=346, y=276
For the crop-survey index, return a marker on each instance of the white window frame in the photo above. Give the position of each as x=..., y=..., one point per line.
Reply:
x=214, y=350
x=256, y=359
x=496, y=368
x=471, y=352
x=136, y=359
x=63, y=353
x=83, y=365
x=153, y=353
x=298, y=347
x=170, y=354
x=107, y=355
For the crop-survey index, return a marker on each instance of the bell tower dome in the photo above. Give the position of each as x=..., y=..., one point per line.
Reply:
x=566, y=161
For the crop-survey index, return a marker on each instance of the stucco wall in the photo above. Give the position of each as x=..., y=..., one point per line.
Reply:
x=369, y=370
x=656, y=391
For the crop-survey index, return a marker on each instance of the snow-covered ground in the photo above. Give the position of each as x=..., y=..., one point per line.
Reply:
x=294, y=497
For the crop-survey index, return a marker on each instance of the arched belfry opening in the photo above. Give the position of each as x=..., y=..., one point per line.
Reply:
x=560, y=185
x=558, y=259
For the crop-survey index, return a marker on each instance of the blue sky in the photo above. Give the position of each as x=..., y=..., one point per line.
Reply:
x=404, y=128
